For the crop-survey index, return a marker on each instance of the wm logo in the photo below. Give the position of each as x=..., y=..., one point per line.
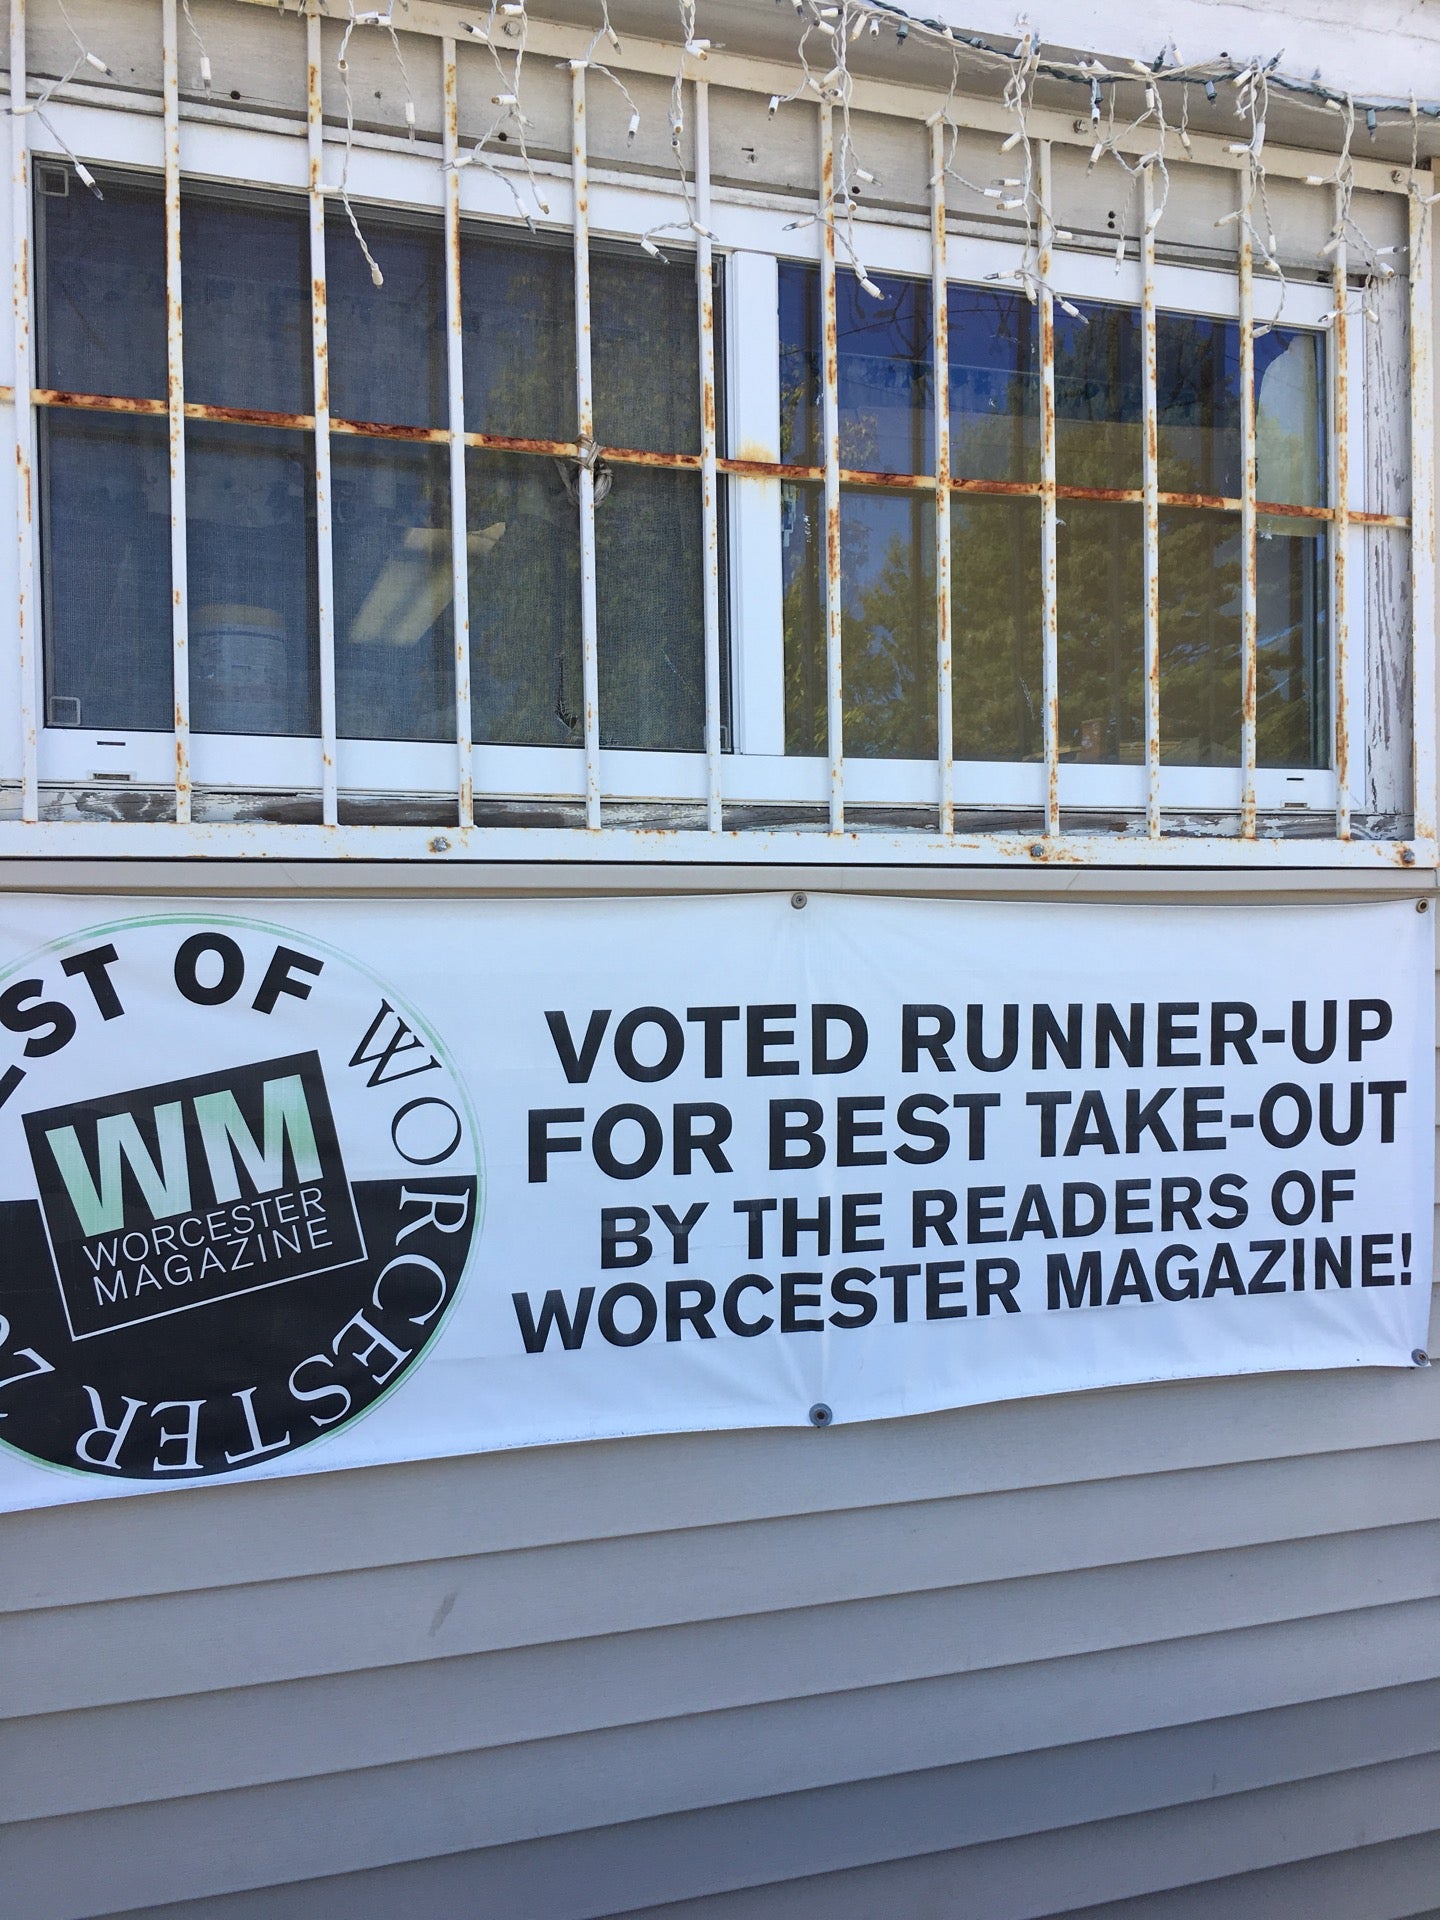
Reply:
x=163, y=1182
x=192, y=1191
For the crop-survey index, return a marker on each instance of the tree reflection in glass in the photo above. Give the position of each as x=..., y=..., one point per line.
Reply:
x=887, y=536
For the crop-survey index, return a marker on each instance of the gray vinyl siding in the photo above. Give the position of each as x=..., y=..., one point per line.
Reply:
x=1169, y=1651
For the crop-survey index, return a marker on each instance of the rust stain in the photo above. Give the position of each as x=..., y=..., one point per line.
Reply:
x=750, y=463
x=96, y=402
x=865, y=477
x=509, y=443
x=639, y=457
x=768, y=469
x=248, y=416
x=1287, y=510
x=1007, y=489
x=381, y=430
x=1216, y=502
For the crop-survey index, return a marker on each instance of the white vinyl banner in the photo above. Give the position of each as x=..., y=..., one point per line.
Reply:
x=324, y=1184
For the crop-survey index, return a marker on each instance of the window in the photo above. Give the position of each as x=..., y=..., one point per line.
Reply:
x=646, y=621
x=250, y=478
x=886, y=419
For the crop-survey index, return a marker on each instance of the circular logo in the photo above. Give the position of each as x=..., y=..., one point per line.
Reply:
x=239, y=1182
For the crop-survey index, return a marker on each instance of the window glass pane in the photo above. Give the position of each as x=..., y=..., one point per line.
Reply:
x=1100, y=583
x=387, y=343
x=800, y=372
x=996, y=652
x=802, y=535
x=1197, y=390
x=102, y=274
x=645, y=335
x=245, y=272
x=883, y=348
x=250, y=524
x=887, y=629
x=524, y=602
x=1289, y=418
x=519, y=332
x=105, y=523
x=1097, y=397
x=884, y=391
x=1199, y=638
x=1292, y=710
x=394, y=626
x=650, y=634
x=1200, y=645
x=994, y=385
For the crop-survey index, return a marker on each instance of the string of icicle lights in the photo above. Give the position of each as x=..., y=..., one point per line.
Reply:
x=1163, y=87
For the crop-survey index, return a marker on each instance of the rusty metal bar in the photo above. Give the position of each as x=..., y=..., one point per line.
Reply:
x=1340, y=521
x=709, y=459
x=175, y=411
x=1422, y=501
x=1150, y=475
x=455, y=397
x=585, y=426
x=830, y=429
x=320, y=373
x=940, y=384
x=691, y=462
x=27, y=622
x=1249, y=612
x=1050, y=616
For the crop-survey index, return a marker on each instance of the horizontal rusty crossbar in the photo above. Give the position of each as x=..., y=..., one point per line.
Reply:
x=685, y=462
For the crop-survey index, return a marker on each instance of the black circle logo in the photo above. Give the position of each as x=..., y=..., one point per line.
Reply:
x=239, y=1184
